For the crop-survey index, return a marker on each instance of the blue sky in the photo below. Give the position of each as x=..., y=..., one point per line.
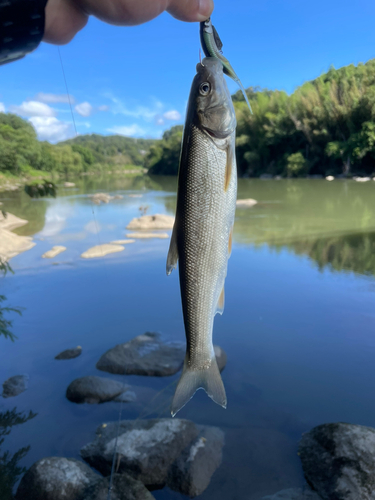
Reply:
x=136, y=81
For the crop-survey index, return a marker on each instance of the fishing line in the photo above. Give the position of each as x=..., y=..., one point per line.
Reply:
x=101, y=249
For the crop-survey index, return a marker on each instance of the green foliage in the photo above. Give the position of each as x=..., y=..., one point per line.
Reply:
x=164, y=155
x=38, y=189
x=10, y=471
x=295, y=165
x=22, y=154
x=6, y=324
x=327, y=126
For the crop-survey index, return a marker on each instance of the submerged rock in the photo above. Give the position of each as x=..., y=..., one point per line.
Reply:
x=124, y=487
x=249, y=202
x=55, y=478
x=294, y=494
x=53, y=252
x=101, y=251
x=101, y=197
x=70, y=353
x=191, y=472
x=148, y=235
x=221, y=357
x=12, y=244
x=156, y=221
x=147, y=354
x=94, y=389
x=122, y=242
x=145, y=448
x=15, y=385
x=338, y=460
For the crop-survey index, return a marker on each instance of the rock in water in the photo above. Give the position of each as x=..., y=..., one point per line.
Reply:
x=146, y=448
x=221, y=357
x=124, y=487
x=338, y=460
x=294, y=494
x=101, y=251
x=55, y=478
x=146, y=354
x=70, y=353
x=15, y=385
x=156, y=221
x=145, y=235
x=94, y=389
x=191, y=473
x=56, y=250
x=249, y=202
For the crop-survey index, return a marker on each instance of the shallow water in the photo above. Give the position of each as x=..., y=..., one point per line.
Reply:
x=298, y=326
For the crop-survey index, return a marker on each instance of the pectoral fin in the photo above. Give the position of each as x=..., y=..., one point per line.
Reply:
x=220, y=303
x=173, y=252
x=228, y=166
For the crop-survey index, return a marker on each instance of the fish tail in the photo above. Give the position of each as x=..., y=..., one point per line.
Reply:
x=191, y=380
x=244, y=94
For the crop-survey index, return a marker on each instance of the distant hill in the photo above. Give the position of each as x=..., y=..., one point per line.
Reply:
x=112, y=149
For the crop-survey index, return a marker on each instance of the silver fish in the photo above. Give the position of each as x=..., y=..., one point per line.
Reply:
x=202, y=233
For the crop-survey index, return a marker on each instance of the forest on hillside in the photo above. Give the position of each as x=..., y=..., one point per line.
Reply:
x=21, y=154
x=325, y=127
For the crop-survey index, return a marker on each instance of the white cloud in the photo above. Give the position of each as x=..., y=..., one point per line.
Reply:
x=51, y=129
x=33, y=108
x=84, y=109
x=2, y=108
x=160, y=121
x=172, y=115
x=84, y=124
x=145, y=113
x=53, y=98
x=130, y=131
x=103, y=108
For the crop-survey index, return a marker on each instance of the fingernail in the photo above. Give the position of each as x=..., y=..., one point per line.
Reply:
x=205, y=9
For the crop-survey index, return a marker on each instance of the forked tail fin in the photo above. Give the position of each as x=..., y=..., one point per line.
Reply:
x=191, y=380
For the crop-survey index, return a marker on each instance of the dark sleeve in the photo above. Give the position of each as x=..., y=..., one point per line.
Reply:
x=21, y=27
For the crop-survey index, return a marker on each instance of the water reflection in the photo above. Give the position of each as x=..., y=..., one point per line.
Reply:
x=352, y=252
x=10, y=470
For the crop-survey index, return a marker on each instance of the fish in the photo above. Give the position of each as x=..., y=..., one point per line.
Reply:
x=212, y=45
x=201, y=239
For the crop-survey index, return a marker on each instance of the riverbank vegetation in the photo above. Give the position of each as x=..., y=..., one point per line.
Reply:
x=326, y=127
x=23, y=156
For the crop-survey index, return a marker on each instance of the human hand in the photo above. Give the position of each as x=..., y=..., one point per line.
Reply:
x=64, y=18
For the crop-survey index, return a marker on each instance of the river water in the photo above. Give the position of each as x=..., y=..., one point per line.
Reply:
x=298, y=325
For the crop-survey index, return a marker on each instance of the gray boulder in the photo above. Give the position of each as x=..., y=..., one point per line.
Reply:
x=124, y=487
x=338, y=460
x=55, y=478
x=15, y=385
x=294, y=494
x=94, y=389
x=147, y=354
x=191, y=472
x=70, y=353
x=145, y=448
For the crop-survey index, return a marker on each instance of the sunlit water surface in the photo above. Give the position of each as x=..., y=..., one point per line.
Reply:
x=298, y=326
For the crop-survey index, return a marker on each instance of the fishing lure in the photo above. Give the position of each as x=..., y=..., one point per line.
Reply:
x=212, y=45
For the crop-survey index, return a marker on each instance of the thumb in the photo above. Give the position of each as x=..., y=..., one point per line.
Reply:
x=190, y=10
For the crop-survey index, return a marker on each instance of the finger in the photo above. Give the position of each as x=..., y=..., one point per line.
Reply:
x=63, y=21
x=191, y=10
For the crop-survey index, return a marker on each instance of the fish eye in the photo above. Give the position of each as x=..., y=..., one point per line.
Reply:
x=204, y=88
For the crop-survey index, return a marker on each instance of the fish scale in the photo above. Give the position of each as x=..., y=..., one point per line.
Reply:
x=206, y=202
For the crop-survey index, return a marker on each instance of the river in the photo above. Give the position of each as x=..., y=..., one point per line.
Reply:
x=298, y=325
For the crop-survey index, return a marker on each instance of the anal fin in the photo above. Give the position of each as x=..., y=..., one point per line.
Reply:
x=173, y=252
x=220, y=303
x=228, y=166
